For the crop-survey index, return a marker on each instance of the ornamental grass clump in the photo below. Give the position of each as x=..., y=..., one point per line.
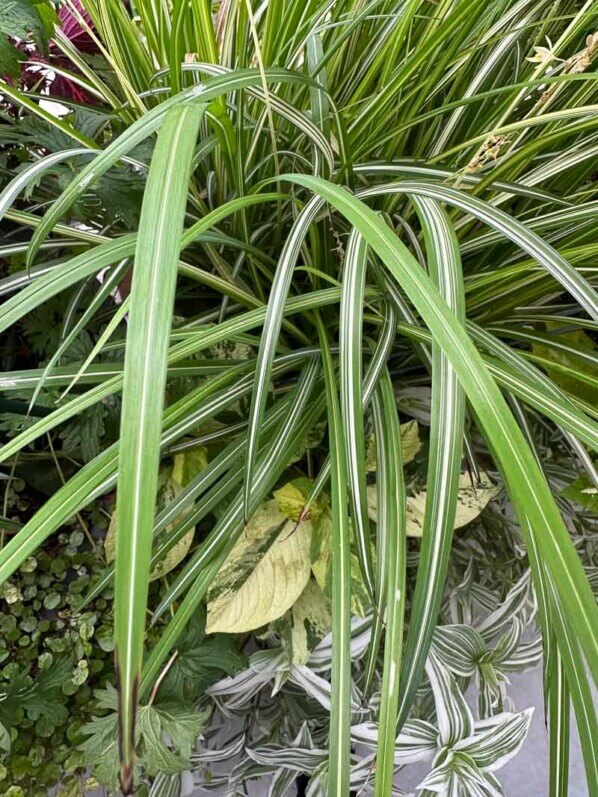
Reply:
x=300, y=318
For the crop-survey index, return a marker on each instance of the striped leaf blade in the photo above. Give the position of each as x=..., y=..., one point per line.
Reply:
x=447, y=415
x=152, y=300
x=340, y=714
x=351, y=399
x=392, y=533
x=529, y=491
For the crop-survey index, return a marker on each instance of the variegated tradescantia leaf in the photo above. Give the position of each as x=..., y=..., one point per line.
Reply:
x=417, y=741
x=463, y=651
x=497, y=739
x=410, y=446
x=264, y=574
x=471, y=502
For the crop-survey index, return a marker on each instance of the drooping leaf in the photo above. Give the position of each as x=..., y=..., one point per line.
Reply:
x=146, y=359
x=263, y=575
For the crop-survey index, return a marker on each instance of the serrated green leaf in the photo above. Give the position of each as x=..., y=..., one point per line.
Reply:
x=19, y=19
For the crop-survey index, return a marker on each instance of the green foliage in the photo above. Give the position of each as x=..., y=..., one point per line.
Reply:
x=50, y=653
x=24, y=20
x=156, y=722
x=322, y=218
x=200, y=662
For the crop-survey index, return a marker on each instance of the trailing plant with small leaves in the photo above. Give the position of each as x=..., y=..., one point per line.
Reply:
x=308, y=287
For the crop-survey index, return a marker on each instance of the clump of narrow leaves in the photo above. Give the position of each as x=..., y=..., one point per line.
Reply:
x=277, y=236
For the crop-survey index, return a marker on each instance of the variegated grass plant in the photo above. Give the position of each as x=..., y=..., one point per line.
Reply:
x=367, y=196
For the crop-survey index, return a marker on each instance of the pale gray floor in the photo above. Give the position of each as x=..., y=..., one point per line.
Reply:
x=526, y=775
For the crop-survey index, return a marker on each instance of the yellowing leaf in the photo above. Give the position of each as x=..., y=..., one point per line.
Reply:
x=471, y=501
x=178, y=552
x=410, y=442
x=410, y=445
x=311, y=620
x=290, y=499
x=263, y=575
x=110, y=540
x=185, y=466
x=322, y=570
x=188, y=464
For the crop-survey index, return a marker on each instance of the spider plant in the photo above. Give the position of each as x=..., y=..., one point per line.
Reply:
x=367, y=195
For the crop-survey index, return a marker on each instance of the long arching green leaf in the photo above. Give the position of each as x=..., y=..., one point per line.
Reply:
x=340, y=712
x=150, y=319
x=526, y=485
x=392, y=528
x=350, y=382
x=447, y=415
x=510, y=228
x=272, y=324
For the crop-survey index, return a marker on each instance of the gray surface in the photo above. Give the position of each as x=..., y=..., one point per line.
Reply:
x=525, y=775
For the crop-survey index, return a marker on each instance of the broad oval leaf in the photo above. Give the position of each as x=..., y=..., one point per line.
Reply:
x=264, y=574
